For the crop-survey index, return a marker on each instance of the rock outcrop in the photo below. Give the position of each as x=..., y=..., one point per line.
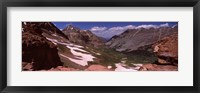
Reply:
x=97, y=68
x=167, y=50
x=156, y=67
x=36, y=49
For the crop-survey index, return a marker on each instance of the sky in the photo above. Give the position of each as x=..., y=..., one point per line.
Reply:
x=89, y=25
x=109, y=29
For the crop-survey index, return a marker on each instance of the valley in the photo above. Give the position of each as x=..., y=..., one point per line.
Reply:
x=47, y=48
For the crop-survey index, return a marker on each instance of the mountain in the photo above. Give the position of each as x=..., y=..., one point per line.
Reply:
x=37, y=51
x=83, y=37
x=132, y=39
x=45, y=47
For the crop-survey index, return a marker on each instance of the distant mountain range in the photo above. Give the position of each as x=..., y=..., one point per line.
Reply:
x=132, y=39
x=108, y=33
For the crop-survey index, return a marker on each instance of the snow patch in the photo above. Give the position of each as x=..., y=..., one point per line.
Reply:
x=83, y=58
x=138, y=65
x=109, y=67
x=98, y=54
x=54, y=34
x=121, y=68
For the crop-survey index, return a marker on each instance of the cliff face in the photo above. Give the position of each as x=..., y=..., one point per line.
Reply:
x=167, y=50
x=132, y=39
x=37, y=50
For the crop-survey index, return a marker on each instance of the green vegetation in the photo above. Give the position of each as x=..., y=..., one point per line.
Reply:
x=108, y=57
x=63, y=49
x=105, y=56
x=140, y=59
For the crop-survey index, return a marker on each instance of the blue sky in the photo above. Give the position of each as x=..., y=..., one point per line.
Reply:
x=89, y=25
x=109, y=29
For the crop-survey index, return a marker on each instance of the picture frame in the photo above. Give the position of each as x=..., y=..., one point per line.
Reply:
x=101, y=3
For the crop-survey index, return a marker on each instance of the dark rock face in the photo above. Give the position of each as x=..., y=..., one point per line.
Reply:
x=78, y=36
x=167, y=50
x=132, y=39
x=36, y=49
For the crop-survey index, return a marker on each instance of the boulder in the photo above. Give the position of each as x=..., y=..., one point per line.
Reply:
x=97, y=68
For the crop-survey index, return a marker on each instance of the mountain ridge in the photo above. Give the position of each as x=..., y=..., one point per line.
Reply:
x=76, y=35
x=132, y=39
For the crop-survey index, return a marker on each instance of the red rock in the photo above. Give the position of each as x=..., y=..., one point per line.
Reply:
x=155, y=67
x=167, y=50
x=97, y=68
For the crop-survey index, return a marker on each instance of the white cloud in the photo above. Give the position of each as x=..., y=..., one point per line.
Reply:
x=121, y=28
x=147, y=26
x=164, y=25
x=109, y=32
x=93, y=29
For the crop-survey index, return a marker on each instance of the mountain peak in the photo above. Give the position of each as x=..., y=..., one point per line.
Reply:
x=71, y=28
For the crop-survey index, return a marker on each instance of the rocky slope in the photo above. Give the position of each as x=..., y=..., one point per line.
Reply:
x=82, y=37
x=43, y=27
x=132, y=39
x=37, y=51
x=166, y=51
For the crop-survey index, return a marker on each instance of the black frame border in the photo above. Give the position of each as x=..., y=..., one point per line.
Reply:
x=101, y=3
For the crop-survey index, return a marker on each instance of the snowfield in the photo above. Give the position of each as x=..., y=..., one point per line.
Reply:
x=82, y=58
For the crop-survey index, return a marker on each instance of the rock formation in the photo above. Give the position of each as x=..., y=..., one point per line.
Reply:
x=167, y=50
x=36, y=49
